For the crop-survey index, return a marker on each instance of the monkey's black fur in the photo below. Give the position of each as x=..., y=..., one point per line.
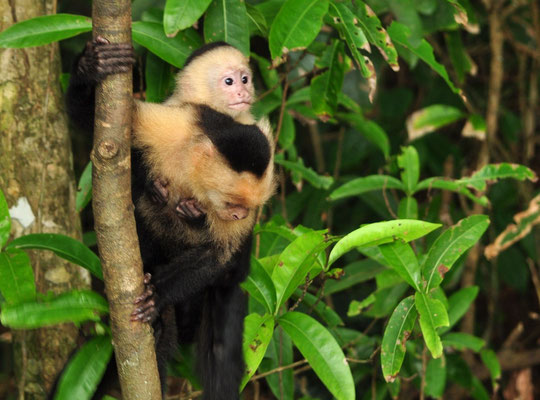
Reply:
x=197, y=298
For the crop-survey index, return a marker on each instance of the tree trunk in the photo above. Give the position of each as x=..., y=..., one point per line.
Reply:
x=113, y=213
x=36, y=170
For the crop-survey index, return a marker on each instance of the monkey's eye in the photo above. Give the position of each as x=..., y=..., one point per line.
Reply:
x=229, y=81
x=245, y=79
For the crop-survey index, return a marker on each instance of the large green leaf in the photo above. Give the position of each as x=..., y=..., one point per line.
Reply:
x=227, y=20
x=63, y=246
x=173, y=50
x=16, y=276
x=489, y=358
x=357, y=272
x=458, y=304
x=258, y=331
x=322, y=351
x=448, y=184
x=410, y=165
x=436, y=377
x=84, y=371
x=431, y=118
x=84, y=188
x=181, y=14
x=318, y=181
x=75, y=306
x=370, y=130
x=325, y=313
x=432, y=315
x=400, y=256
x=44, y=30
x=462, y=341
x=408, y=208
x=450, y=246
x=400, y=34
x=257, y=21
x=296, y=25
x=295, y=262
x=376, y=34
x=366, y=184
x=380, y=233
x=345, y=22
x=493, y=172
x=325, y=87
x=5, y=221
x=259, y=285
x=396, y=333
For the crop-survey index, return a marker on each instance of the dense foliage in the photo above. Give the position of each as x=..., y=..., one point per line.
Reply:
x=381, y=113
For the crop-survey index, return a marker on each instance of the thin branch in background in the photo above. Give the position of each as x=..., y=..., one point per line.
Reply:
x=304, y=291
x=337, y=166
x=387, y=203
x=279, y=369
x=535, y=278
x=423, y=377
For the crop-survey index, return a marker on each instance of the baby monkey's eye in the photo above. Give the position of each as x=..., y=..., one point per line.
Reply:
x=229, y=81
x=245, y=79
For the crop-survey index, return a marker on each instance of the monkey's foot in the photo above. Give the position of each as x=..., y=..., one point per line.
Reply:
x=146, y=310
x=102, y=58
x=159, y=192
x=190, y=208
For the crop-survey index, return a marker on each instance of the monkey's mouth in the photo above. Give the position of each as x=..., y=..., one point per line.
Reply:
x=242, y=105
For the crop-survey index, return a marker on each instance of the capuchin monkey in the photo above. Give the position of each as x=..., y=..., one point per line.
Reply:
x=201, y=167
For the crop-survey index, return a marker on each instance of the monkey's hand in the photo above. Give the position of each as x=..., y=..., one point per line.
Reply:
x=190, y=209
x=158, y=191
x=102, y=58
x=145, y=304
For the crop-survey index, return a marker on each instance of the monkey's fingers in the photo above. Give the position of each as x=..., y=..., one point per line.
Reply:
x=159, y=193
x=189, y=208
x=146, y=313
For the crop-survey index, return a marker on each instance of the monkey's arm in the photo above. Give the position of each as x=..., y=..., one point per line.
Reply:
x=187, y=275
x=98, y=60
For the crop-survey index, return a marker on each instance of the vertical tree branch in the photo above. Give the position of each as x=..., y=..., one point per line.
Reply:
x=113, y=212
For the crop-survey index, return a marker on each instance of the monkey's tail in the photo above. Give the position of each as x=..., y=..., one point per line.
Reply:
x=221, y=362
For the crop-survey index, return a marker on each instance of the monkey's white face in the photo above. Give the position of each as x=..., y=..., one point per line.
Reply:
x=236, y=88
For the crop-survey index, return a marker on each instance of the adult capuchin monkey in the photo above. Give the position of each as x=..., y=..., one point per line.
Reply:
x=201, y=167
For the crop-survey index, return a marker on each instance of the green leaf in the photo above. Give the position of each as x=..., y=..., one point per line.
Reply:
x=376, y=34
x=259, y=285
x=288, y=132
x=459, y=57
x=325, y=87
x=227, y=20
x=365, y=184
x=458, y=304
x=370, y=130
x=435, y=377
x=356, y=307
x=410, y=165
x=75, y=306
x=5, y=221
x=257, y=21
x=278, y=354
x=408, y=208
x=450, y=246
x=432, y=315
x=400, y=34
x=159, y=79
x=85, y=370
x=493, y=172
x=16, y=276
x=345, y=22
x=326, y=314
x=462, y=341
x=44, y=30
x=84, y=188
x=380, y=233
x=318, y=181
x=296, y=25
x=258, y=331
x=175, y=51
x=454, y=186
x=295, y=262
x=489, y=358
x=63, y=246
x=322, y=351
x=396, y=333
x=181, y=14
x=400, y=256
x=386, y=300
x=431, y=118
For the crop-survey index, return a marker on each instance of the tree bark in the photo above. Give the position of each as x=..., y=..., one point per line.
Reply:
x=36, y=169
x=113, y=213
